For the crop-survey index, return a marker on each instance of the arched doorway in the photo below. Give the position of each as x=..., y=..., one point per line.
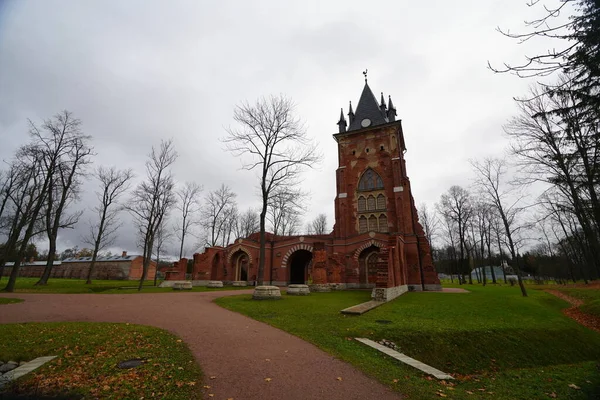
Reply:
x=241, y=265
x=367, y=269
x=299, y=262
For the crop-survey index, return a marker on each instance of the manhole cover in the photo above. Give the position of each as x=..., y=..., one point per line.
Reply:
x=136, y=362
x=383, y=321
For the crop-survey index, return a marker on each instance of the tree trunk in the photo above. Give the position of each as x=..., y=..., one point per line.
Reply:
x=50, y=263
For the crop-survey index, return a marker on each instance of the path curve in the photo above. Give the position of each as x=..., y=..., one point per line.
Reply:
x=228, y=345
x=573, y=312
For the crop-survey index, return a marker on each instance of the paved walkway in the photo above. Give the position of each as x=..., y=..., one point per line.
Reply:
x=230, y=346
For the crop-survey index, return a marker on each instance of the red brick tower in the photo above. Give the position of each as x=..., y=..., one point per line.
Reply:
x=374, y=195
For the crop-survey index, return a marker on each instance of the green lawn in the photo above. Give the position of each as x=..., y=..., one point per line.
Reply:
x=4, y=300
x=75, y=286
x=88, y=354
x=498, y=344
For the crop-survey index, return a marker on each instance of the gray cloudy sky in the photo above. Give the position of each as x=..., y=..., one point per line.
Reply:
x=138, y=71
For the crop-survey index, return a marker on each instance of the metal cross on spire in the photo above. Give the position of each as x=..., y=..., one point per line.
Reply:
x=365, y=74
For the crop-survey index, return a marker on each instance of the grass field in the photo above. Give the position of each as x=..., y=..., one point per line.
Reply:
x=88, y=354
x=74, y=286
x=496, y=343
x=4, y=300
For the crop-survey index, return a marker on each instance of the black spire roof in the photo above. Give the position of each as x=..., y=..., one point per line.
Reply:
x=367, y=109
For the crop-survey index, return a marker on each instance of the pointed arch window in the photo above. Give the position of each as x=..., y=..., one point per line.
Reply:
x=362, y=204
x=381, y=202
x=373, y=223
x=362, y=224
x=383, y=225
x=370, y=180
x=371, y=203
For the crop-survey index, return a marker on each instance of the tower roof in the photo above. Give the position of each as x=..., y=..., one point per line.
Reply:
x=367, y=108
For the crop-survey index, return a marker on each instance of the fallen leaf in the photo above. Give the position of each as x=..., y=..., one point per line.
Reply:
x=179, y=340
x=469, y=392
x=213, y=377
x=268, y=379
x=192, y=383
x=267, y=359
x=339, y=378
x=395, y=381
x=574, y=386
x=179, y=368
x=211, y=395
x=206, y=387
x=441, y=394
x=552, y=395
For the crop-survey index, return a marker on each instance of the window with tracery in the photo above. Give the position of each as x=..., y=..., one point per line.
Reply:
x=362, y=204
x=383, y=225
x=381, y=202
x=362, y=224
x=370, y=180
x=371, y=204
x=373, y=223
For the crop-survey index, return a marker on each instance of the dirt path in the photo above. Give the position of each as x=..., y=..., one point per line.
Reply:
x=239, y=351
x=573, y=312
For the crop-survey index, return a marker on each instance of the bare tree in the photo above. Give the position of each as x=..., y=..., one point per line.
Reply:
x=456, y=207
x=153, y=199
x=275, y=142
x=429, y=221
x=285, y=207
x=247, y=223
x=26, y=201
x=491, y=179
x=217, y=214
x=188, y=206
x=66, y=152
x=113, y=183
x=163, y=238
x=319, y=224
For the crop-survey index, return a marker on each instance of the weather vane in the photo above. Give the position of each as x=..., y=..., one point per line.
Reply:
x=365, y=74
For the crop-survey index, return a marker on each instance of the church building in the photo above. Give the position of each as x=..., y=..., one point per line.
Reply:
x=377, y=241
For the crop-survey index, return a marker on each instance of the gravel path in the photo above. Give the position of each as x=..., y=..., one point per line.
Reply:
x=237, y=350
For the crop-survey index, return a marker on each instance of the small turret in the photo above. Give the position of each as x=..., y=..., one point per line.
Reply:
x=351, y=114
x=391, y=112
x=342, y=124
x=382, y=104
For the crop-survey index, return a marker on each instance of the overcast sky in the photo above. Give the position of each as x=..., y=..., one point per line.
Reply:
x=136, y=72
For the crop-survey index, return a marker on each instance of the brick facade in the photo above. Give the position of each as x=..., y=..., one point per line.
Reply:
x=377, y=240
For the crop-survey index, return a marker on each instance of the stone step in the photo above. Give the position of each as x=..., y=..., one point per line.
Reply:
x=362, y=308
x=405, y=359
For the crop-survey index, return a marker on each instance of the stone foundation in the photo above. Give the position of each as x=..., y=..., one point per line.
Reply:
x=387, y=294
x=215, y=284
x=240, y=283
x=266, y=293
x=298, y=290
x=182, y=285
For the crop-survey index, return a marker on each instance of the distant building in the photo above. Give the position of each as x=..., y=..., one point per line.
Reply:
x=123, y=267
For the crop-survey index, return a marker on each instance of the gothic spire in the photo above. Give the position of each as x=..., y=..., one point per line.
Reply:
x=391, y=112
x=351, y=114
x=342, y=122
x=382, y=104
